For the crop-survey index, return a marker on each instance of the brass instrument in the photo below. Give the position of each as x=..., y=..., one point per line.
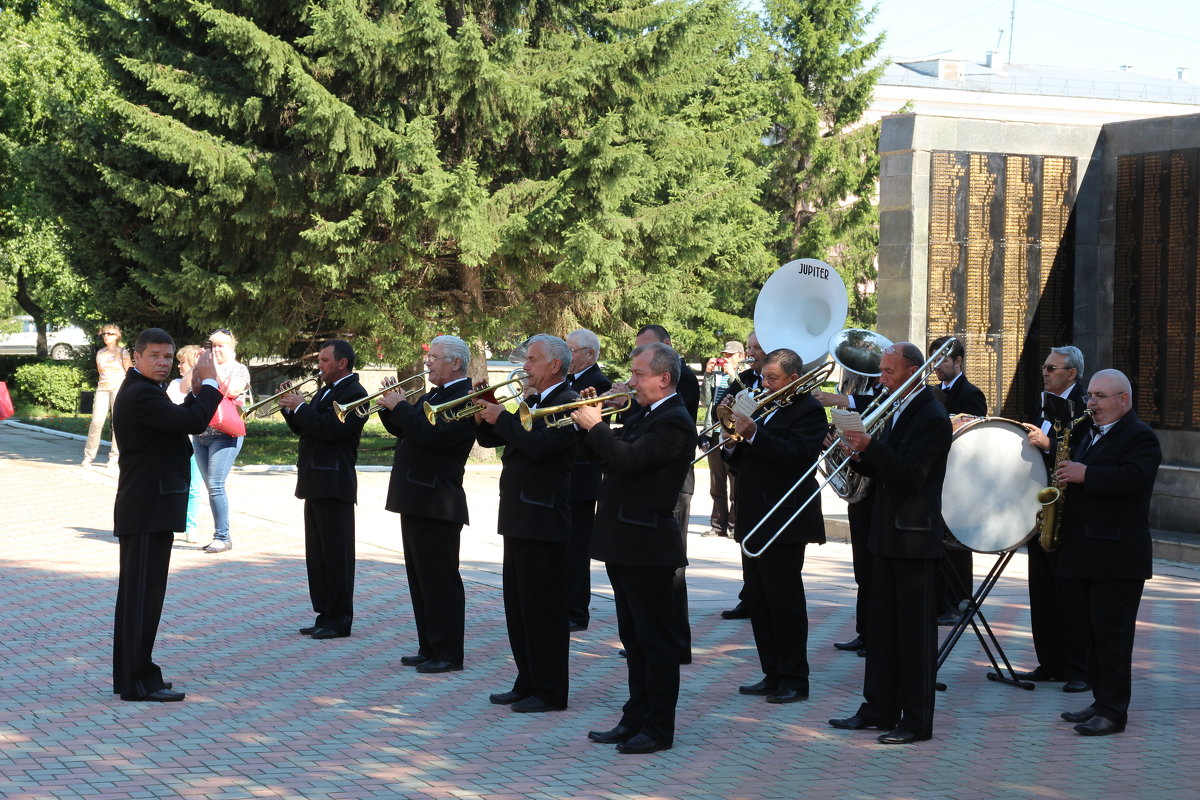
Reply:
x=858, y=352
x=527, y=415
x=769, y=402
x=270, y=405
x=1052, y=498
x=464, y=407
x=873, y=421
x=363, y=406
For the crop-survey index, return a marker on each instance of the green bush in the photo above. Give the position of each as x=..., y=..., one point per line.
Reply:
x=52, y=384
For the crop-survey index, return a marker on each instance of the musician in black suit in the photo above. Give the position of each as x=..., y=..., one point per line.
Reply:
x=535, y=521
x=1062, y=401
x=721, y=380
x=959, y=396
x=1106, y=553
x=152, y=493
x=585, y=482
x=426, y=490
x=751, y=381
x=907, y=459
x=774, y=451
x=637, y=537
x=328, y=484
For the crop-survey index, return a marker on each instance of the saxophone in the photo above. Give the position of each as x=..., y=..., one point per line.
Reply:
x=1049, y=516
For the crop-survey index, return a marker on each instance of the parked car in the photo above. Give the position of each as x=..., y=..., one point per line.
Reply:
x=61, y=342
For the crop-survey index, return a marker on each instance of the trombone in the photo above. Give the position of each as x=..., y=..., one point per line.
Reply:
x=527, y=415
x=365, y=406
x=873, y=421
x=270, y=405
x=450, y=410
x=768, y=402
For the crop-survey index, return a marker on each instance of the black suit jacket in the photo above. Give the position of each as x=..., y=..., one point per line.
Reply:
x=585, y=474
x=328, y=449
x=427, y=468
x=1063, y=417
x=1105, y=527
x=906, y=520
x=644, y=467
x=783, y=449
x=749, y=379
x=965, y=397
x=536, y=480
x=152, y=435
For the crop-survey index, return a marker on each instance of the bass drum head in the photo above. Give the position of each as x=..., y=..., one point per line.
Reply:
x=993, y=475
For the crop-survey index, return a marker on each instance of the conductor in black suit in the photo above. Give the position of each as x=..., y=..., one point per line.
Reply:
x=1062, y=402
x=1106, y=553
x=907, y=459
x=328, y=485
x=535, y=521
x=637, y=536
x=960, y=396
x=773, y=453
x=426, y=490
x=585, y=482
x=152, y=493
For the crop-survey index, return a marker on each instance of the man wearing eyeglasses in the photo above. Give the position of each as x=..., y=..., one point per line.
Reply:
x=1062, y=401
x=426, y=490
x=1105, y=556
x=585, y=482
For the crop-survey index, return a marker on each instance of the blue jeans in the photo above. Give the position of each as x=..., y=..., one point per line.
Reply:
x=215, y=453
x=193, y=511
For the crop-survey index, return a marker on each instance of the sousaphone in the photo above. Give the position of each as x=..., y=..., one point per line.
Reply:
x=801, y=305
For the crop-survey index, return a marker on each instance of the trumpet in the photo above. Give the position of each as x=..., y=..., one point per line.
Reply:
x=464, y=407
x=770, y=402
x=527, y=415
x=365, y=406
x=874, y=422
x=270, y=405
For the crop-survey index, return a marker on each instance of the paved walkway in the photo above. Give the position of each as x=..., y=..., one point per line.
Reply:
x=273, y=714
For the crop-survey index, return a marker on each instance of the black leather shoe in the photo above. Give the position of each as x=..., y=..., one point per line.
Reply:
x=161, y=696
x=1075, y=686
x=1099, y=726
x=577, y=626
x=862, y=652
x=786, y=696
x=856, y=643
x=413, y=661
x=685, y=658
x=505, y=698
x=949, y=618
x=622, y=654
x=855, y=723
x=326, y=633
x=534, y=705
x=438, y=666
x=309, y=631
x=1038, y=673
x=762, y=687
x=898, y=736
x=1079, y=716
x=616, y=735
x=642, y=744
x=737, y=612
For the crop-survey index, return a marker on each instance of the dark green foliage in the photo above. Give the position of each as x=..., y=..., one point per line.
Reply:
x=49, y=384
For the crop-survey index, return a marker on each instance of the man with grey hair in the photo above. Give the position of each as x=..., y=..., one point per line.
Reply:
x=426, y=490
x=535, y=521
x=1106, y=553
x=1061, y=401
x=585, y=482
x=637, y=537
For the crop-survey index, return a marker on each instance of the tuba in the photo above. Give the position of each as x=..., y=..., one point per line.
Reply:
x=1053, y=497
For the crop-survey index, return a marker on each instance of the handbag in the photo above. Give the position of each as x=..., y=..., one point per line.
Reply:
x=6, y=403
x=228, y=418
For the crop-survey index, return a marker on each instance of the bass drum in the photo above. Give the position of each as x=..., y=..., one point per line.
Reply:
x=989, y=497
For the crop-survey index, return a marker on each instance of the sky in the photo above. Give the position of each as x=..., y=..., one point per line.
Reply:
x=1151, y=36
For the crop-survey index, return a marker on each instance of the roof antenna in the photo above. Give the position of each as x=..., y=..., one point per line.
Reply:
x=1012, y=26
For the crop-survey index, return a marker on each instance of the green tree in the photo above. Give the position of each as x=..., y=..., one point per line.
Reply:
x=825, y=162
x=393, y=170
x=44, y=80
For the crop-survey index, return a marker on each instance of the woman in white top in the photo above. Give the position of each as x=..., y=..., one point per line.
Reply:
x=216, y=451
x=112, y=362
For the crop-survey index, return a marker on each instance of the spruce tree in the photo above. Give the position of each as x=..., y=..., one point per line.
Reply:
x=392, y=170
x=825, y=162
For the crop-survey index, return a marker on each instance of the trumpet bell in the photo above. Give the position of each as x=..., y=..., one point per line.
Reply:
x=800, y=306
